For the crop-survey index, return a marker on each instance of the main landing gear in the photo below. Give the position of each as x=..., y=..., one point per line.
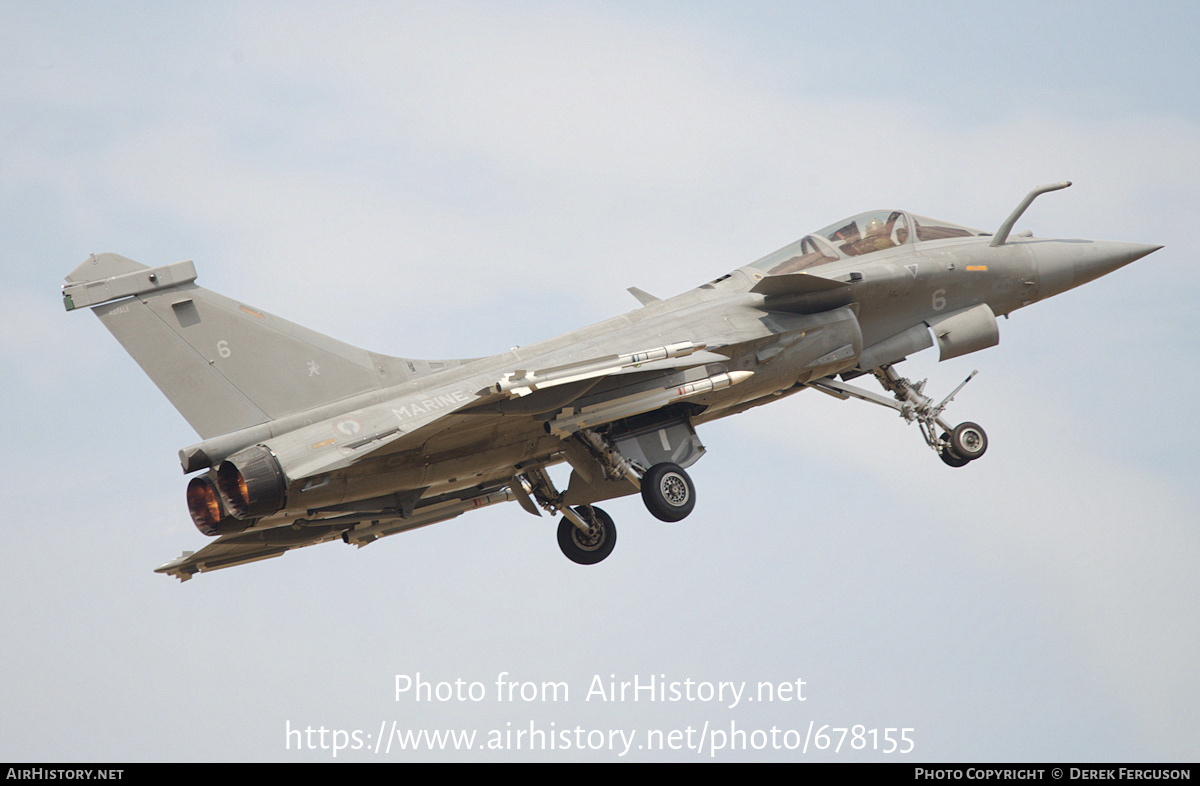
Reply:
x=668, y=492
x=957, y=446
x=586, y=534
x=587, y=547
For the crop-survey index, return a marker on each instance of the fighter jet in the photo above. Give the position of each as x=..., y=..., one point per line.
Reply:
x=306, y=439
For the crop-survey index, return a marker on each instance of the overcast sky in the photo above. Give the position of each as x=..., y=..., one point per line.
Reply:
x=451, y=179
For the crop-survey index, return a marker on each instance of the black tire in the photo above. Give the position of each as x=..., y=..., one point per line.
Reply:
x=969, y=441
x=668, y=492
x=590, y=548
x=949, y=457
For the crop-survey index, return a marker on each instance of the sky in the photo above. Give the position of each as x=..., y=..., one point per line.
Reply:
x=452, y=179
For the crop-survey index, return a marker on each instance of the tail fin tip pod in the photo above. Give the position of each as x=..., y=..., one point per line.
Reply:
x=105, y=277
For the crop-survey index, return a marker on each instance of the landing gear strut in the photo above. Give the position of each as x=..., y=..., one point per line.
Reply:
x=957, y=446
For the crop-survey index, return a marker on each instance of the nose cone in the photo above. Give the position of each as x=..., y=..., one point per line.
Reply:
x=1065, y=264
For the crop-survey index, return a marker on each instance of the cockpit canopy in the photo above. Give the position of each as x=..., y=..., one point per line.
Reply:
x=863, y=234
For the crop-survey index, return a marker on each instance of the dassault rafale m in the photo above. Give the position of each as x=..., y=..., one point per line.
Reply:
x=308, y=440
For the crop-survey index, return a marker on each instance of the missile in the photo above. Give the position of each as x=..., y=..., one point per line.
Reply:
x=423, y=517
x=596, y=414
x=522, y=383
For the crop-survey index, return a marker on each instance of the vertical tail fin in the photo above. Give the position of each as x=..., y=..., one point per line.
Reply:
x=224, y=365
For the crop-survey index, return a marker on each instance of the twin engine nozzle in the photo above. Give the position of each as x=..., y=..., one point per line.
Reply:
x=248, y=485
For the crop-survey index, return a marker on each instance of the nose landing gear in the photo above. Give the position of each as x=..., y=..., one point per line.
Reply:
x=957, y=446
